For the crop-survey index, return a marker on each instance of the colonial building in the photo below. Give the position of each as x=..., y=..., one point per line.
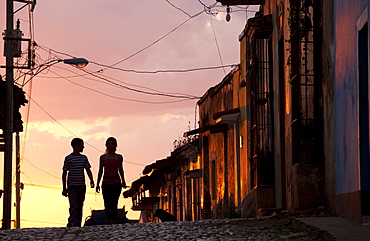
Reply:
x=270, y=156
x=220, y=155
x=288, y=129
x=171, y=184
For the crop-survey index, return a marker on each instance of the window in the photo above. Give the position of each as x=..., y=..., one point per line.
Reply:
x=305, y=84
x=262, y=166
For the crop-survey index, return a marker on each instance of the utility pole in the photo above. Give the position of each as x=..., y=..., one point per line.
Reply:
x=8, y=123
x=17, y=182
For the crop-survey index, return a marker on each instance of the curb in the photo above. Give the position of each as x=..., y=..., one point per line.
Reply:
x=314, y=232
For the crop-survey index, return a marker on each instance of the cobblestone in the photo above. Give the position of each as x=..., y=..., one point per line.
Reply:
x=213, y=230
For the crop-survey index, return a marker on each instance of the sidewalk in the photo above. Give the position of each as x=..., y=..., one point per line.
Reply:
x=334, y=228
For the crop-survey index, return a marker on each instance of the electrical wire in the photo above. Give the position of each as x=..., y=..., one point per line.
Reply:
x=43, y=186
x=73, y=133
x=41, y=169
x=56, y=177
x=120, y=98
x=208, y=9
x=141, y=71
x=26, y=121
x=163, y=71
x=35, y=221
x=217, y=45
x=183, y=96
x=156, y=41
x=56, y=188
x=178, y=8
x=53, y=118
x=105, y=78
x=41, y=68
x=140, y=91
x=104, y=82
x=28, y=108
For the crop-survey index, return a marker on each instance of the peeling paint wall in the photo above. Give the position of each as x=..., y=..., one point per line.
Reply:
x=220, y=147
x=350, y=18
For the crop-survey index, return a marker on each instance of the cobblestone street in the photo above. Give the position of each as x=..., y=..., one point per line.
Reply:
x=227, y=229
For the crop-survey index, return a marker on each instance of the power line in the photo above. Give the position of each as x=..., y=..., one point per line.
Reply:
x=41, y=169
x=34, y=221
x=163, y=71
x=105, y=82
x=120, y=81
x=57, y=188
x=120, y=98
x=181, y=96
x=141, y=71
x=146, y=47
x=178, y=8
x=218, y=47
x=156, y=41
x=60, y=123
x=43, y=186
x=208, y=9
x=55, y=119
x=141, y=91
x=74, y=133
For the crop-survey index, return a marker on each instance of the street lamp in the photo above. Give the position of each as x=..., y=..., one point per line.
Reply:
x=78, y=62
x=8, y=136
x=10, y=42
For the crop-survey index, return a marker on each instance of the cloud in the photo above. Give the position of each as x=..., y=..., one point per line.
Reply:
x=89, y=128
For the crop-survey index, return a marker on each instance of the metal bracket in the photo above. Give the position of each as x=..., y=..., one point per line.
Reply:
x=33, y=3
x=29, y=53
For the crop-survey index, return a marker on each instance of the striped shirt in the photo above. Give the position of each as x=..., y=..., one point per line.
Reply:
x=75, y=165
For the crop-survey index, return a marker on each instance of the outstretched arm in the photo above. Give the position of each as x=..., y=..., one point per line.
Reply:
x=120, y=169
x=89, y=173
x=64, y=181
x=100, y=173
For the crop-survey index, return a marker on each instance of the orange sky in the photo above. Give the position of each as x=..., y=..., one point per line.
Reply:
x=67, y=102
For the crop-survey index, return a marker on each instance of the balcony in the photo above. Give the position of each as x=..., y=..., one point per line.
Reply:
x=145, y=203
x=241, y=2
x=141, y=203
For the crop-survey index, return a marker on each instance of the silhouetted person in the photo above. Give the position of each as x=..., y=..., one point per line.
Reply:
x=73, y=175
x=113, y=179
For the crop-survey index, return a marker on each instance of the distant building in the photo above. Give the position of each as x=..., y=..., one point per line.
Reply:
x=171, y=184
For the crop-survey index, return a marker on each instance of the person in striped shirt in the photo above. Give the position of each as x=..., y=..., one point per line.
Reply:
x=73, y=178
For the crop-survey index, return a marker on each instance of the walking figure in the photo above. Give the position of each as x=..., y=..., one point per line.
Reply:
x=73, y=178
x=113, y=179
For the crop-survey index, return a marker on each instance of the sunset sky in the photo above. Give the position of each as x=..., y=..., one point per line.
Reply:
x=121, y=93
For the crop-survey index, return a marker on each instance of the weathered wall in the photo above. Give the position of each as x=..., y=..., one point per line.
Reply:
x=282, y=104
x=346, y=110
x=221, y=146
x=346, y=92
x=288, y=112
x=278, y=89
x=328, y=101
x=242, y=90
x=288, y=178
